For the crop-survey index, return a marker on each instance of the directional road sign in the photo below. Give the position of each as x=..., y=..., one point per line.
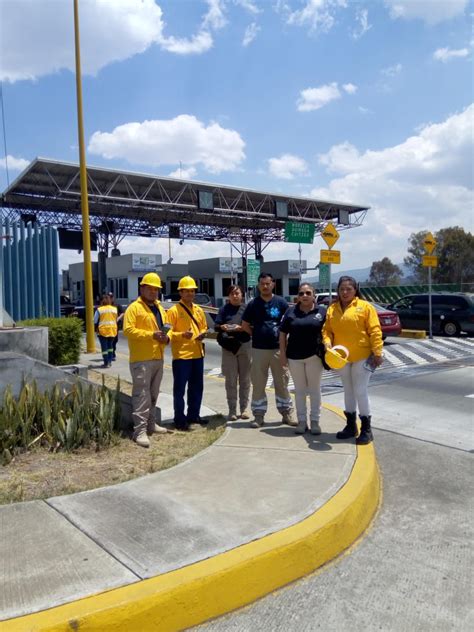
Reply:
x=429, y=243
x=330, y=256
x=430, y=261
x=330, y=235
x=253, y=270
x=299, y=232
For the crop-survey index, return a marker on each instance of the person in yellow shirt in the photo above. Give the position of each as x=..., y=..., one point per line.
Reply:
x=145, y=326
x=105, y=321
x=188, y=329
x=354, y=324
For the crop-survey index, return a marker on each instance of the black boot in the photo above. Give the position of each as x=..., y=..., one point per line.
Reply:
x=366, y=435
x=350, y=430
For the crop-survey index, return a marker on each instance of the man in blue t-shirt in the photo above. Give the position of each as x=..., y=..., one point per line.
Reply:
x=261, y=319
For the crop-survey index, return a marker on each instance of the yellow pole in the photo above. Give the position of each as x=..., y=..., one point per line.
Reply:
x=86, y=237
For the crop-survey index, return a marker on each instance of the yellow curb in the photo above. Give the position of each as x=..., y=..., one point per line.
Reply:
x=207, y=589
x=412, y=333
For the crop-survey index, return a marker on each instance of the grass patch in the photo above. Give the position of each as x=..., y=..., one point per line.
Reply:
x=41, y=474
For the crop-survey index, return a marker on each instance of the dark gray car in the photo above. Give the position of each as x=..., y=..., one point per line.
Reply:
x=452, y=312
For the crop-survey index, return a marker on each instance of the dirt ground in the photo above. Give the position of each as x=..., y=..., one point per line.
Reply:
x=42, y=474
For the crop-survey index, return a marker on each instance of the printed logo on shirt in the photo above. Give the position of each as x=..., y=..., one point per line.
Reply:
x=318, y=317
x=273, y=312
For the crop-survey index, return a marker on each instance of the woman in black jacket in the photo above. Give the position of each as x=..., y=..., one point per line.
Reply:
x=236, y=360
x=300, y=348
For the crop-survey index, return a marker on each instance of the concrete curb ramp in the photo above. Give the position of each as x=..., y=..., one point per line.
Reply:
x=220, y=584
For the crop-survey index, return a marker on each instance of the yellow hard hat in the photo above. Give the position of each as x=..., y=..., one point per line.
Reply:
x=336, y=357
x=187, y=283
x=151, y=278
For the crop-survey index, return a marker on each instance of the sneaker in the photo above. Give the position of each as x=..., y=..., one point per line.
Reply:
x=156, y=429
x=257, y=421
x=231, y=417
x=142, y=440
x=288, y=419
x=245, y=414
x=315, y=428
x=183, y=427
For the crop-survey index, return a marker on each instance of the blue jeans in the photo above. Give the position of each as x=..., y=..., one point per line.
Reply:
x=106, y=345
x=188, y=373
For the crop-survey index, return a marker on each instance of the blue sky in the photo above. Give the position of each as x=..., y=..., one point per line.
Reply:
x=365, y=102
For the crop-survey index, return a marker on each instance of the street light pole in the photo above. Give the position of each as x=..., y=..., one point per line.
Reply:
x=86, y=236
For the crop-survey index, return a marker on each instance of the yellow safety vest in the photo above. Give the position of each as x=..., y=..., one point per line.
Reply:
x=107, y=321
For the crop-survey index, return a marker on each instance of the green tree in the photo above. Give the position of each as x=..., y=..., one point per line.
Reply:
x=455, y=252
x=385, y=272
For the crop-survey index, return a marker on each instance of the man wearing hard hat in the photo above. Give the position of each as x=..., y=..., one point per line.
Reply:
x=145, y=326
x=188, y=329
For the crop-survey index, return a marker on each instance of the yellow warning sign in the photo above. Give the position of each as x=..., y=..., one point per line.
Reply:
x=430, y=261
x=330, y=235
x=429, y=243
x=330, y=256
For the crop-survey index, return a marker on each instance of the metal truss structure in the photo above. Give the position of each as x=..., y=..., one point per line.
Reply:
x=133, y=204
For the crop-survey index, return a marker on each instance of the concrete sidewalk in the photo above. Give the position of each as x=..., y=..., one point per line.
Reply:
x=248, y=485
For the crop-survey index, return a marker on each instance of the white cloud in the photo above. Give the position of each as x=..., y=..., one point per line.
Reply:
x=350, y=88
x=423, y=183
x=14, y=164
x=362, y=26
x=37, y=37
x=392, y=71
x=250, y=34
x=249, y=6
x=167, y=142
x=215, y=18
x=315, y=98
x=318, y=15
x=184, y=173
x=447, y=54
x=431, y=11
x=363, y=110
x=287, y=167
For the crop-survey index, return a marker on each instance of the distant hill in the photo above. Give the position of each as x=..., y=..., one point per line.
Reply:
x=360, y=274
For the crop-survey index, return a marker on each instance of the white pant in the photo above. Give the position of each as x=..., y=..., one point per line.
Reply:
x=355, y=380
x=306, y=376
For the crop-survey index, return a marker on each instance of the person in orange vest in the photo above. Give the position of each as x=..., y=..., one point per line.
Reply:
x=105, y=321
x=145, y=326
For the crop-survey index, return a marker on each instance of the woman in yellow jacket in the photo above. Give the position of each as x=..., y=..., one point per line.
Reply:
x=354, y=324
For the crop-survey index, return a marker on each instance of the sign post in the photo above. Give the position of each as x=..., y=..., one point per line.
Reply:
x=430, y=261
x=330, y=236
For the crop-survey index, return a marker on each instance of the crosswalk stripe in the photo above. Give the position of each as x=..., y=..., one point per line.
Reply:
x=419, y=352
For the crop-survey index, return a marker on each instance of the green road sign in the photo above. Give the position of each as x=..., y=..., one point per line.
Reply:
x=299, y=233
x=253, y=270
x=324, y=270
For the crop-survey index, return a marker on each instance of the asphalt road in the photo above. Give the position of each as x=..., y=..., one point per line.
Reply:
x=413, y=570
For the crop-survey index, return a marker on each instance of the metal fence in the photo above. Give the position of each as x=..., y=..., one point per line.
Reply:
x=391, y=293
x=29, y=268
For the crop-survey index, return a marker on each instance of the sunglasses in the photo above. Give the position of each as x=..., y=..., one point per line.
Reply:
x=308, y=293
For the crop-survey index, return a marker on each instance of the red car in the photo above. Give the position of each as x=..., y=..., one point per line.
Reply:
x=389, y=321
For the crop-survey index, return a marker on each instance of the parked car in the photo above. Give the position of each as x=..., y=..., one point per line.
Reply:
x=66, y=306
x=389, y=321
x=200, y=299
x=323, y=298
x=451, y=312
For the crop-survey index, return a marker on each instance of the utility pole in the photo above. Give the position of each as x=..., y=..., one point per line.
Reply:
x=86, y=234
